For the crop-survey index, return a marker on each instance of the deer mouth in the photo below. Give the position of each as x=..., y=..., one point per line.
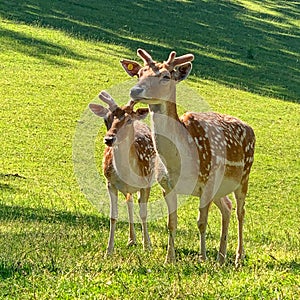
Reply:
x=146, y=100
x=137, y=94
x=138, y=99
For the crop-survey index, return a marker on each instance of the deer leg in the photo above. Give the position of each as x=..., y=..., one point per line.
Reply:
x=171, y=200
x=202, y=224
x=240, y=211
x=143, y=200
x=132, y=237
x=113, y=195
x=225, y=206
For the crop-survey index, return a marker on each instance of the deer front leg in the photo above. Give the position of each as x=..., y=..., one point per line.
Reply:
x=225, y=206
x=202, y=224
x=132, y=237
x=143, y=200
x=113, y=195
x=171, y=200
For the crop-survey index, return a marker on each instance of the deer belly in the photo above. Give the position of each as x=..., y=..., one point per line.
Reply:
x=227, y=187
x=220, y=182
x=131, y=182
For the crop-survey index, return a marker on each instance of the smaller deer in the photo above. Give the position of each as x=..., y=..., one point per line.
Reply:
x=128, y=162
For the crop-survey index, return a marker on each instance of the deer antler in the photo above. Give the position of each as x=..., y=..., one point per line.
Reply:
x=128, y=107
x=174, y=61
x=105, y=97
x=131, y=103
x=145, y=56
x=171, y=58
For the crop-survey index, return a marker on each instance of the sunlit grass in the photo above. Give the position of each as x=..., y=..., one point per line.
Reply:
x=52, y=238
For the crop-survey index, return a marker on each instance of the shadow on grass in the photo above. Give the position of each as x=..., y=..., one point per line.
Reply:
x=6, y=187
x=254, y=48
x=292, y=266
x=10, y=270
x=41, y=239
x=38, y=48
x=10, y=213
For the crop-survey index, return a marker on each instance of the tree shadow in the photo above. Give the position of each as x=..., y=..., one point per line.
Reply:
x=6, y=187
x=43, y=215
x=291, y=266
x=42, y=237
x=254, y=48
x=35, y=47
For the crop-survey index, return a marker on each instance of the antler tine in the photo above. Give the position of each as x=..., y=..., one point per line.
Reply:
x=145, y=56
x=170, y=59
x=174, y=61
x=130, y=104
x=106, y=97
x=183, y=59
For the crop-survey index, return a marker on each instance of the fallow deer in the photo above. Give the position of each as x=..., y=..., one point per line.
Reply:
x=205, y=154
x=128, y=162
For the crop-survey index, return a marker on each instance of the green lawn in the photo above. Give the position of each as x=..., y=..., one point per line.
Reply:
x=55, y=57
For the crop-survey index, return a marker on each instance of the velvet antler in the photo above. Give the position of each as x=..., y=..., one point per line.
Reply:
x=105, y=97
x=174, y=61
x=145, y=56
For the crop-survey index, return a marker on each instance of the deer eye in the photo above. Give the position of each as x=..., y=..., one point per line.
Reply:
x=165, y=79
x=129, y=121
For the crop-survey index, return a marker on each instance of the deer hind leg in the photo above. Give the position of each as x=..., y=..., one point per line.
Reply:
x=240, y=195
x=131, y=237
x=225, y=206
x=202, y=224
x=113, y=195
x=143, y=201
x=171, y=200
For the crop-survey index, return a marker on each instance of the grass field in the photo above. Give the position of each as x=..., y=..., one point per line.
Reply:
x=54, y=59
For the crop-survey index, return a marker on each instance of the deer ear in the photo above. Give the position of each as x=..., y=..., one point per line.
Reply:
x=182, y=72
x=142, y=113
x=98, y=110
x=131, y=67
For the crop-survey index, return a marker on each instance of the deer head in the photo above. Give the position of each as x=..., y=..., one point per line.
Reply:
x=157, y=80
x=116, y=118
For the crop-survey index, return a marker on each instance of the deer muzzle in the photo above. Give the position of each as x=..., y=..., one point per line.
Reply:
x=136, y=92
x=109, y=140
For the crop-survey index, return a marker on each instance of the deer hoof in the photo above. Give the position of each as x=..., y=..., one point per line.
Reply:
x=238, y=261
x=202, y=258
x=108, y=253
x=147, y=247
x=131, y=243
x=221, y=259
x=170, y=259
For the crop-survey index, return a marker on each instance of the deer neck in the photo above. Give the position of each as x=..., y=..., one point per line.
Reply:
x=168, y=134
x=124, y=155
x=164, y=116
x=166, y=108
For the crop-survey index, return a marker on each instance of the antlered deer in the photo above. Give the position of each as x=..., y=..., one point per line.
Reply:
x=205, y=154
x=128, y=161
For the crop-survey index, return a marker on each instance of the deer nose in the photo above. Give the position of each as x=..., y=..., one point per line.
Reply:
x=109, y=140
x=136, y=92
